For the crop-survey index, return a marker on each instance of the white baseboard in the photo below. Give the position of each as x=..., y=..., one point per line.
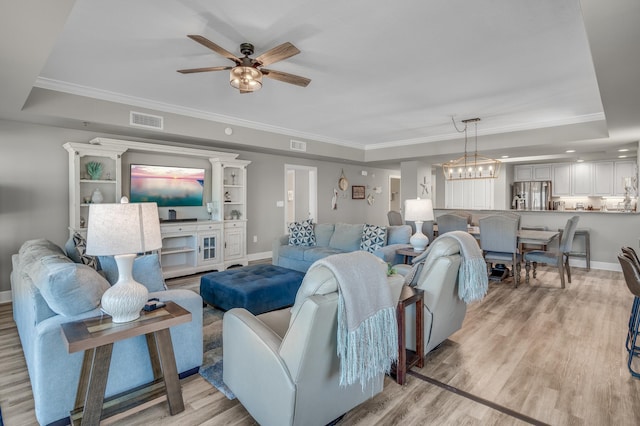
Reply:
x=605, y=266
x=5, y=296
x=259, y=256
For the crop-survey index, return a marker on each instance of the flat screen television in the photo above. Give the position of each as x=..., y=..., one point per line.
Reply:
x=168, y=186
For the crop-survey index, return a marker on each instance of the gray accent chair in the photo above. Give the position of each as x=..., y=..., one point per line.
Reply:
x=395, y=218
x=499, y=242
x=451, y=222
x=560, y=258
x=444, y=312
x=283, y=365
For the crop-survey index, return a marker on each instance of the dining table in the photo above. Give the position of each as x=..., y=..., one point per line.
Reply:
x=525, y=236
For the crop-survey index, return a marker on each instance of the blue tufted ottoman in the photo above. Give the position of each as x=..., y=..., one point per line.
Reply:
x=257, y=288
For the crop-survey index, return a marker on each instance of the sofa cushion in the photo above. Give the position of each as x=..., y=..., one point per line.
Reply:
x=68, y=288
x=317, y=253
x=373, y=237
x=146, y=270
x=293, y=252
x=301, y=233
x=399, y=234
x=323, y=232
x=346, y=237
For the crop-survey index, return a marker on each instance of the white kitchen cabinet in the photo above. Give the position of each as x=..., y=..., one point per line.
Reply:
x=561, y=182
x=542, y=172
x=623, y=169
x=470, y=194
x=581, y=179
x=522, y=173
x=603, y=178
x=537, y=172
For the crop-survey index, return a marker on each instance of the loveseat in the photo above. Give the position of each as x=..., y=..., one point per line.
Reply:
x=48, y=289
x=328, y=239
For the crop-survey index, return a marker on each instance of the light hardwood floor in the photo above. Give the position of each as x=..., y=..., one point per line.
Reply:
x=556, y=356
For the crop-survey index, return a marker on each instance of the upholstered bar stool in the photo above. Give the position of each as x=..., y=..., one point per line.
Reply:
x=586, y=253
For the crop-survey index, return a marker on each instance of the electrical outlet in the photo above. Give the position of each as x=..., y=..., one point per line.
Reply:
x=255, y=238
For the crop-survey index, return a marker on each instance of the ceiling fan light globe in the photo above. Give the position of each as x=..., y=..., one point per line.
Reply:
x=245, y=79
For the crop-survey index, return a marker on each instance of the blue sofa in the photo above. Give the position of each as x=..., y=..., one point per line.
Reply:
x=49, y=289
x=337, y=238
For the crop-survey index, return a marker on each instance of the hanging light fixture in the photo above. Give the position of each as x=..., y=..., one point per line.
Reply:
x=246, y=79
x=471, y=166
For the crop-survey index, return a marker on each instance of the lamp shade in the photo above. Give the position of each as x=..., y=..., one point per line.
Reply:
x=123, y=229
x=418, y=210
x=245, y=79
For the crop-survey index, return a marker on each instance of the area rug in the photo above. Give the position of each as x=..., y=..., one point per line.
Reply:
x=211, y=368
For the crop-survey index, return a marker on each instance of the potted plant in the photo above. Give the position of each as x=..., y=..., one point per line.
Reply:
x=235, y=214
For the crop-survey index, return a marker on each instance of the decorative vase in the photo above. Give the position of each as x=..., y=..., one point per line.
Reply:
x=126, y=298
x=97, y=197
x=94, y=169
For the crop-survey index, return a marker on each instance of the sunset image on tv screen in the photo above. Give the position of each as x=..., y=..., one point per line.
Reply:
x=166, y=185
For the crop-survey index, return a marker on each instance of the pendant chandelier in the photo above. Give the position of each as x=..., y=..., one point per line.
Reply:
x=471, y=166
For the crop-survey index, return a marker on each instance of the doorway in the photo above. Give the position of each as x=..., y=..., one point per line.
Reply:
x=394, y=194
x=301, y=193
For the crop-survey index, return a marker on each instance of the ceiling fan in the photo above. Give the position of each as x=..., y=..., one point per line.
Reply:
x=247, y=75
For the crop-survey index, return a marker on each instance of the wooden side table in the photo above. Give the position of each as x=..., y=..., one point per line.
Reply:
x=408, y=254
x=406, y=357
x=96, y=337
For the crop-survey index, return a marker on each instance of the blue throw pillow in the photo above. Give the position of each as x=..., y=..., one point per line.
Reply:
x=146, y=270
x=301, y=233
x=373, y=238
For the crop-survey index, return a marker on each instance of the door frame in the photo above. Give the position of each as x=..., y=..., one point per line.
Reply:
x=312, y=190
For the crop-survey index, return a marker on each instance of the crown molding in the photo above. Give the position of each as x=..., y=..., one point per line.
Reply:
x=105, y=95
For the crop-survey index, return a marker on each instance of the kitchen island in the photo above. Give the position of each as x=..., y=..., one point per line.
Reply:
x=609, y=230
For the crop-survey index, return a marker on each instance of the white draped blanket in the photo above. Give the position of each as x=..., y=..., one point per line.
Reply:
x=367, y=326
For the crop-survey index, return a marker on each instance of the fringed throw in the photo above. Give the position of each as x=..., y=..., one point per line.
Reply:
x=367, y=327
x=473, y=281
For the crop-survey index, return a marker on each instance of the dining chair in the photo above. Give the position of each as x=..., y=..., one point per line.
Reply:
x=395, y=218
x=451, y=222
x=635, y=308
x=499, y=242
x=560, y=257
x=632, y=278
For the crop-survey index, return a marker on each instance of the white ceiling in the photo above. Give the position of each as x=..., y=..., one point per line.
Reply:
x=384, y=74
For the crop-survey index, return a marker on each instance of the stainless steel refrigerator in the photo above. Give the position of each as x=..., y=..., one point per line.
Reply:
x=532, y=195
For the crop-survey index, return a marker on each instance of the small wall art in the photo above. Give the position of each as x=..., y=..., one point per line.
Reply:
x=357, y=192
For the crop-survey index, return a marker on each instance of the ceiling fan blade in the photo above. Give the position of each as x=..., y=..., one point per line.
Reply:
x=286, y=77
x=207, y=69
x=211, y=45
x=278, y=53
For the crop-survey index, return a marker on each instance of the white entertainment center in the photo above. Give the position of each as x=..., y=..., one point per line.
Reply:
x=214, y=240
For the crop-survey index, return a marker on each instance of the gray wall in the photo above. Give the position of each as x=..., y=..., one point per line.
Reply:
x=34, y=189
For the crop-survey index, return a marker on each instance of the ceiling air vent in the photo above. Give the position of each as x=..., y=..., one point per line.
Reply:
x=148, y=121
x=298, y=146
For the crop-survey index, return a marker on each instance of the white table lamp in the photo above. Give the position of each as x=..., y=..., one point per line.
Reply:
x=123, y=230
x=418, y=211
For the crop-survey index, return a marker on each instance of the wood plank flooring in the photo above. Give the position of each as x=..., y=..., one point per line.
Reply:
x=556, y=356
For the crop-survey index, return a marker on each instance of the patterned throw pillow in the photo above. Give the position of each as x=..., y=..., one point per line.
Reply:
x=301, y=233
x=81, y=247
x=373, y=237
